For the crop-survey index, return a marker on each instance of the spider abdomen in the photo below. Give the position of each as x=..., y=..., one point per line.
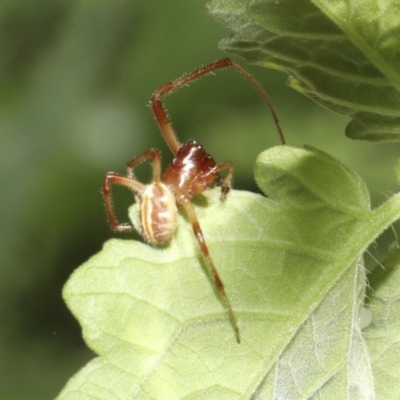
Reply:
x=158, y=213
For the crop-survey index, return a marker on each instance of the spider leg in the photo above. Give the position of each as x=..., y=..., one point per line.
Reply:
x=210, y=265
x=133, y=184
x=155, y=154
x=130, y=182
x=226, y=183
x=161, y=115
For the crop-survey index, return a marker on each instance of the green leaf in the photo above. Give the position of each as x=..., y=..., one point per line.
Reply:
x=383, y=335
x=291, y=264
x=397, y=171
x=344, y=55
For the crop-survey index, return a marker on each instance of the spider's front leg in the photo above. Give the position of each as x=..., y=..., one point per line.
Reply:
x=169, y=87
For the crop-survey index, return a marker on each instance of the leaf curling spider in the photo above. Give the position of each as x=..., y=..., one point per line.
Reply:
x=191, y=172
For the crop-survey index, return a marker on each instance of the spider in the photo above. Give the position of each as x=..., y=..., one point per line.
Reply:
x=191, y=172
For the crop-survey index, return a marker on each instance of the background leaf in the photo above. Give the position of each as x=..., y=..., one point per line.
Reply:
x=382, y=336
x=344, y=55
x=291, y=264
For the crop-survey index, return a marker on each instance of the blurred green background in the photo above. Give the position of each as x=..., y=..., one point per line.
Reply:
x=75, y=79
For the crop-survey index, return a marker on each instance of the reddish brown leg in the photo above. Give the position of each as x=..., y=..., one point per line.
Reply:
x=118, y=179
x=210, y=265
x=130, y=182
x=155, y=155
x=226, y=182
x=161, y=116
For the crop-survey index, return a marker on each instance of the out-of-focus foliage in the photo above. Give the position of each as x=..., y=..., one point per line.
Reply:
x=75, y=79
x=344, y=55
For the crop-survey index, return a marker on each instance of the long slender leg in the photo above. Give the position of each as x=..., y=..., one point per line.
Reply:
x=153, y=153
x=210, y=265
x=130, y=182
x=162, y=118
x=118, y=179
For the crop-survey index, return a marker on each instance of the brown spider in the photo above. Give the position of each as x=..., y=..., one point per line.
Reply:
x=191, y=172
